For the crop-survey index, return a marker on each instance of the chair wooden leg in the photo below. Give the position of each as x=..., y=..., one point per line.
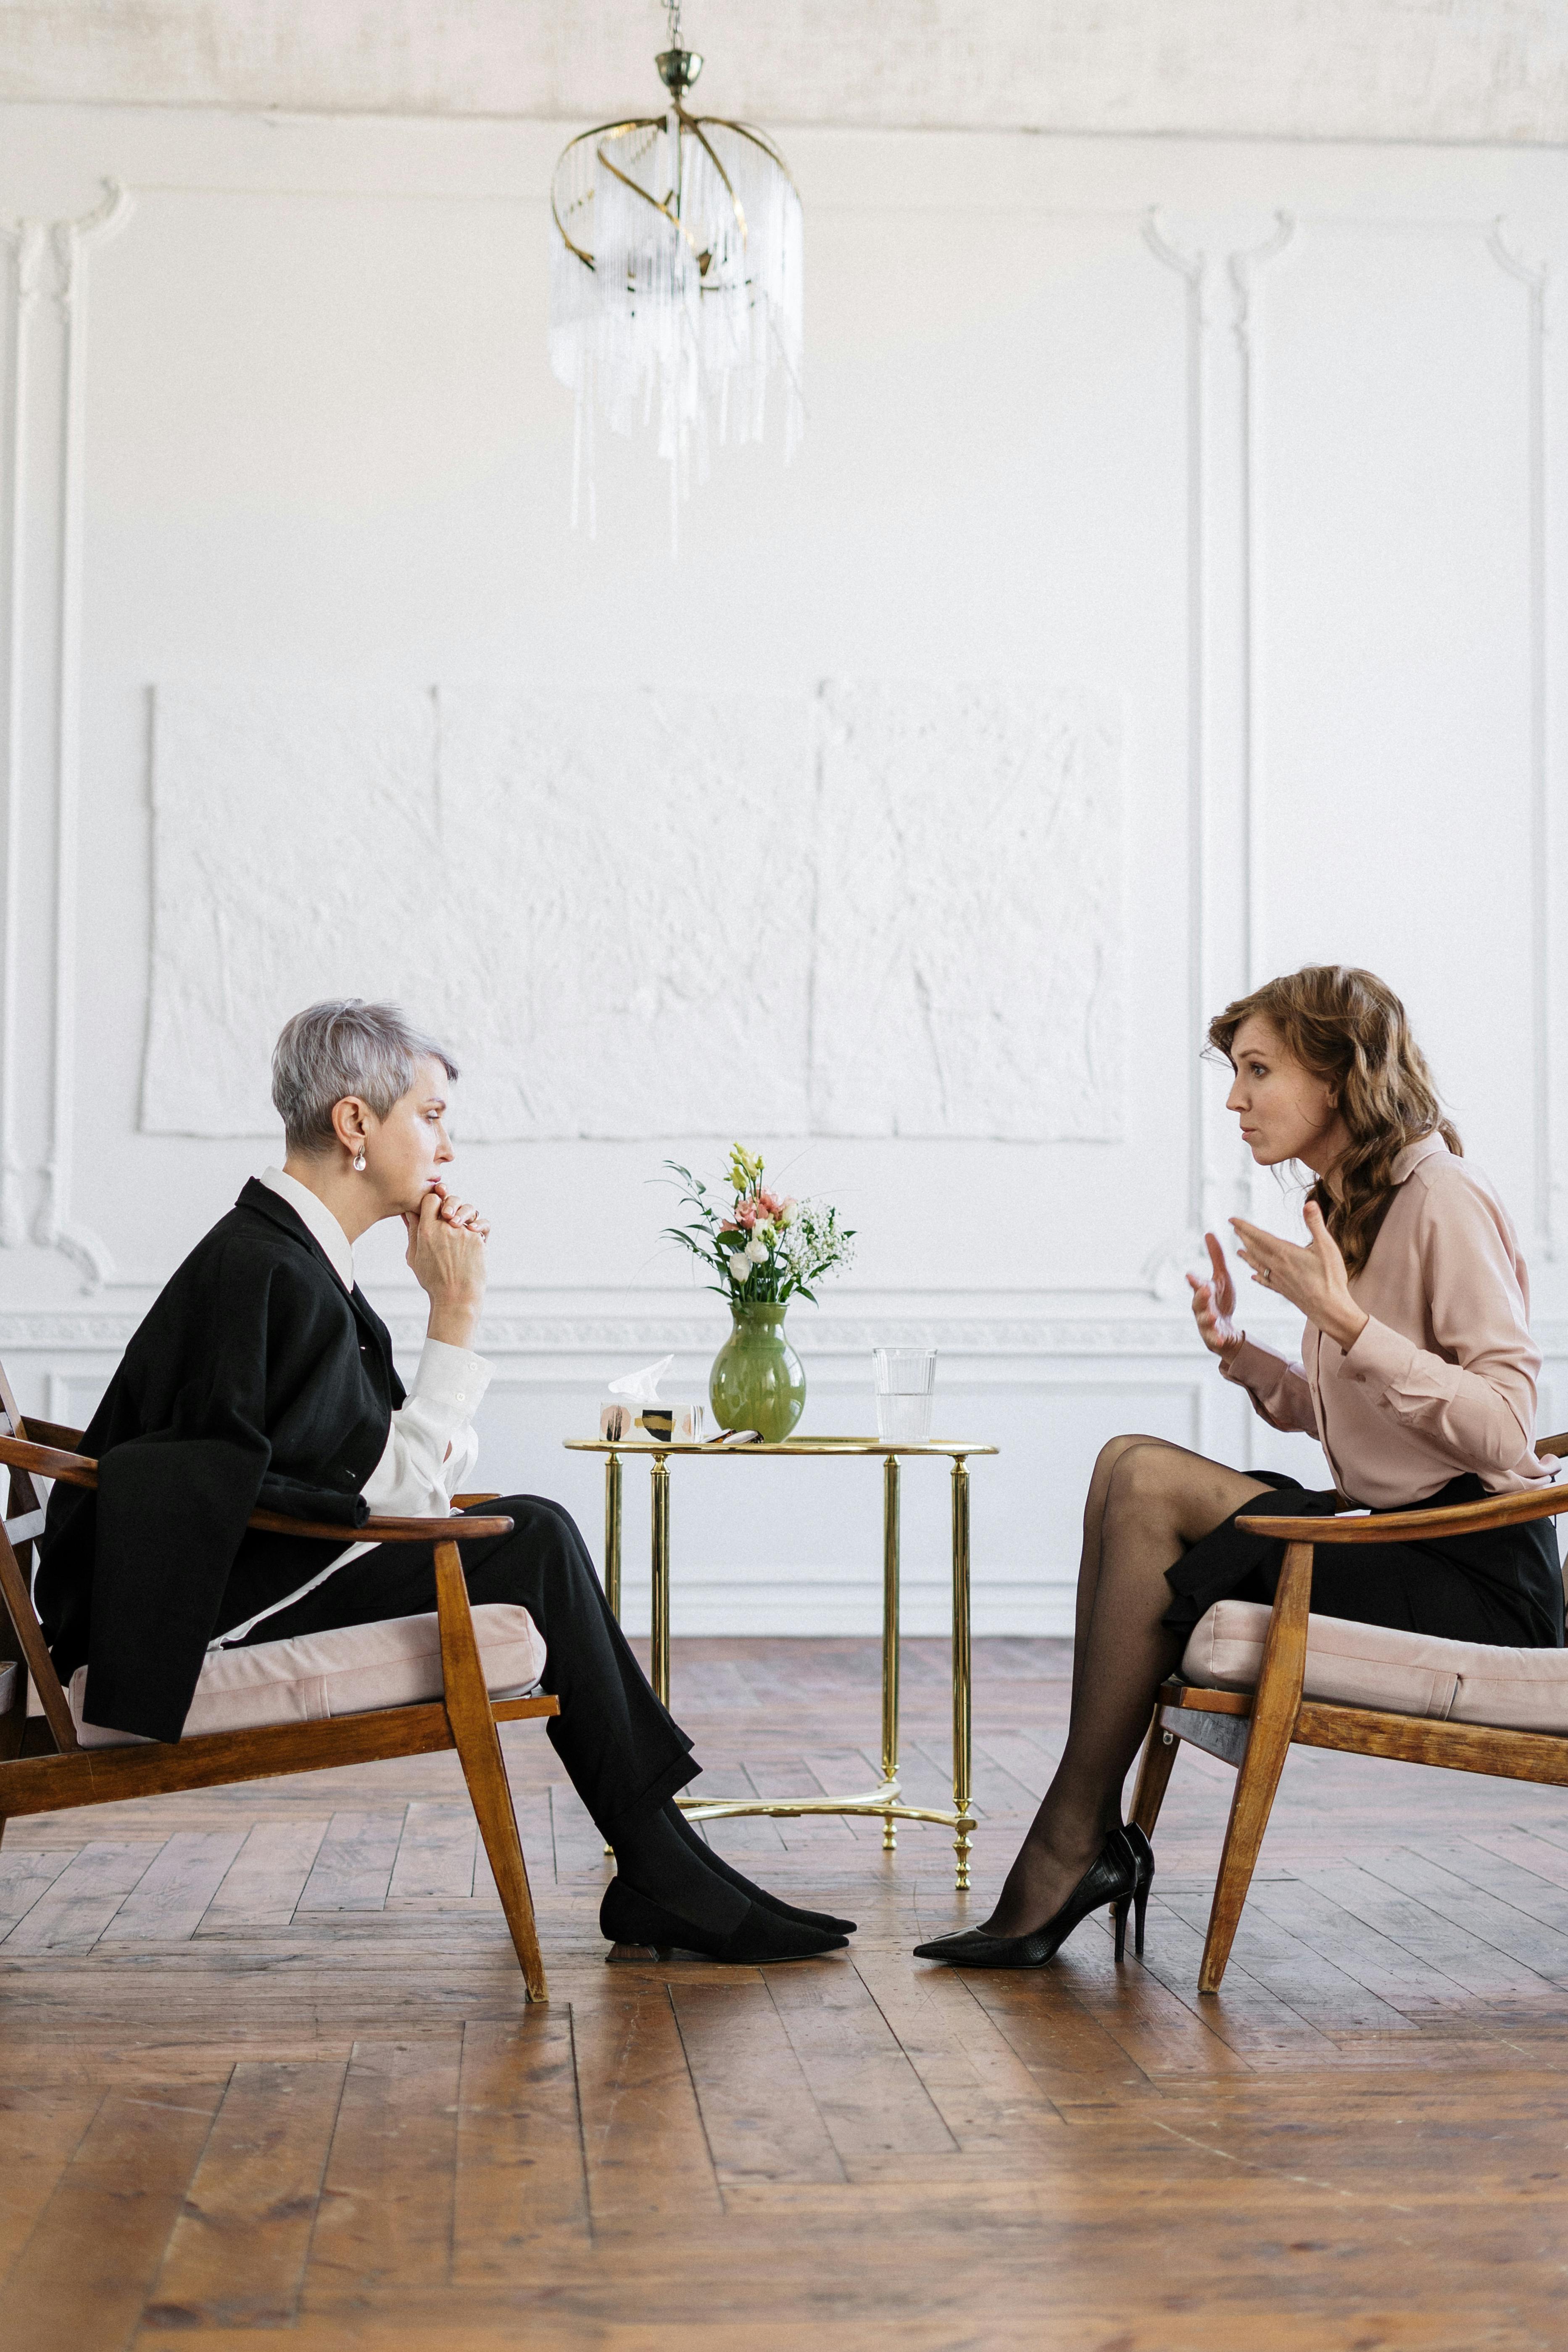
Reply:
x=484, y=1768
x=1274, y=1711
x=1153, y=1775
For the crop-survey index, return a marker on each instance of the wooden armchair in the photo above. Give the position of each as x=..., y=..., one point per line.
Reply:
x=44, y=1768
x=1253, y=1730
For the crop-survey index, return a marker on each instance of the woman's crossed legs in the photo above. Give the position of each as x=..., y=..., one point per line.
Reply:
x=1148, y=1502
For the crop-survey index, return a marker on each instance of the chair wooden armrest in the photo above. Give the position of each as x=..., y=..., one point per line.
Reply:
x=1395, y=1527
x=51, y=1432
x=81, y=1470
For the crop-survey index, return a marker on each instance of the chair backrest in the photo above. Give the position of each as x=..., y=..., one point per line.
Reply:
x=21, y=1636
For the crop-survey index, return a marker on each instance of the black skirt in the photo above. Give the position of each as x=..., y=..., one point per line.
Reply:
x=1500, y=1584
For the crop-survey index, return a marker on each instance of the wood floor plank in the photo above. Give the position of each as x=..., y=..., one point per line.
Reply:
x=236, y=2255
x=435, y=1855
x=1475, y=1911
x=870, y=2095
x=994, y=2106
x=1304, y=1979
x=83, y=2275
x=647, y=2155
x=385, y=2215
x=758, y=2112
x=522, y=2177
x=40, y=2131
x=1510, y=1880
x=1162, y=2035
x=353, y=1865
x=262, y=1887
x=166, y=1904
x=24, y=1876
x=77, y=1908
x=1249, y=2015
x=1401, y=1977
x=1408, y=1920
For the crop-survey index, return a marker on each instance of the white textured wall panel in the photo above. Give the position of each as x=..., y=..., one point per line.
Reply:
x=968, y=978
x=647, y=914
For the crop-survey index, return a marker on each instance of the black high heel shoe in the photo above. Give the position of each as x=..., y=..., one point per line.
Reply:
x=758, y=1937
x=1111, y=1877
x=1142, y=1854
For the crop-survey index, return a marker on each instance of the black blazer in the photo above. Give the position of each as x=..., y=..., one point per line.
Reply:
x=255, y=1382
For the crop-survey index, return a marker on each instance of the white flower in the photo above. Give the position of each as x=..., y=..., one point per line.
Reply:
x=740, y=1266
x=789, y=1212
x=756, y=1250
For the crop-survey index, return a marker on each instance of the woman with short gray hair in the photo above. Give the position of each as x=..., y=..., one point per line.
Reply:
x=262, y=1379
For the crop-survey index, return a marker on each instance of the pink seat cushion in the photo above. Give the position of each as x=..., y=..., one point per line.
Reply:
x=352, y=1670
x=1401, y=1674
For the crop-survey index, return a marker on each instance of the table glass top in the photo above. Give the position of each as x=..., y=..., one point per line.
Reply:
x=944, y=1446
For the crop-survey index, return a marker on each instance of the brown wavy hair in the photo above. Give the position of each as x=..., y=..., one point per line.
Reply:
x=1348, y=1028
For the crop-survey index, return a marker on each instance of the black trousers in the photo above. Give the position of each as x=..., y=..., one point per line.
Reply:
x=624, y=1753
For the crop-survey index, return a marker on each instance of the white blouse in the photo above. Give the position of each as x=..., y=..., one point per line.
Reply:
x=431, y=1447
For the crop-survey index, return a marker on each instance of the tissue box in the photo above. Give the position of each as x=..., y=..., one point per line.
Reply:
x=681, y=1424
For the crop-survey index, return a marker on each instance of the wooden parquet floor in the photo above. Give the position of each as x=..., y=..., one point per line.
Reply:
x=266, y=2070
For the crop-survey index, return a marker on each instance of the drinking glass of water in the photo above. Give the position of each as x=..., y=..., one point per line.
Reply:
x=905, y=1376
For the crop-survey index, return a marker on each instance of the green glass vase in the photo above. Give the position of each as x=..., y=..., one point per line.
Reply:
x=757, y=1381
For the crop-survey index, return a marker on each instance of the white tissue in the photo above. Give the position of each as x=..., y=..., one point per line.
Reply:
x=642, y=1388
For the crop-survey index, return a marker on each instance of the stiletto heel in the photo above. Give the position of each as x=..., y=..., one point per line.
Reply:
x=1119, y=1913
x=1142, y=1854
x=1113, y=1877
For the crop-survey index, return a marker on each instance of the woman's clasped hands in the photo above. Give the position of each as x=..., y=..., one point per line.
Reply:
x=446, y=1241
x=1311, y=1277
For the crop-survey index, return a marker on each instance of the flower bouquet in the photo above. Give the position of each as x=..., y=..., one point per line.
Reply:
x=765, y=1251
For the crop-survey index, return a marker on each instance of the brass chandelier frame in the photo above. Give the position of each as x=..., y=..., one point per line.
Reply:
x=679, y=68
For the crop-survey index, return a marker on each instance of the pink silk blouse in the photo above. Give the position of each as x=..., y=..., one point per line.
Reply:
x=1442, y=1379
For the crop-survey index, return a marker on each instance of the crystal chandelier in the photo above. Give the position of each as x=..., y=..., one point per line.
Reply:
x=675, y=281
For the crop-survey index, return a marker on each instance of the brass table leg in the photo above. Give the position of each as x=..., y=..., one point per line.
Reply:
x=658, y=1489
x=890, y=1644
x=961, y=1670
x=613, y=1534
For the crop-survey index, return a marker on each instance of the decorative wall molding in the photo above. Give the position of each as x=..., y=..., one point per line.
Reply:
x=25, y=242
x=1005, y=1338
x=43, y=668
x=1535, y=278
x=1167, y=1262
x=1246, y=267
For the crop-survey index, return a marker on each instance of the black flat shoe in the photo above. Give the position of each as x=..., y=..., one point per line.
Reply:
x=758, y=1938
x=715, y=1862
x=1111, y=1877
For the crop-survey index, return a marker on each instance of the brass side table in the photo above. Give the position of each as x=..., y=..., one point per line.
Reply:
x=885, y=1799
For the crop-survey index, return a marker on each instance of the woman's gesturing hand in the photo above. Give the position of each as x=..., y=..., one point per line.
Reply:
x=448, y=1256
x=1214, y=1304
x=1313, y=1279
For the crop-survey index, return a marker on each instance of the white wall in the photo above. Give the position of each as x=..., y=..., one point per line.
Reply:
x=1254, y=446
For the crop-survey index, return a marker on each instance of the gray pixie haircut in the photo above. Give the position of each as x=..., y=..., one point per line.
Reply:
x=344, y=1047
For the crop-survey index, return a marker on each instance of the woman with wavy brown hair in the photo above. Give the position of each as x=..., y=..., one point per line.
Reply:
x=1416, y=1377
